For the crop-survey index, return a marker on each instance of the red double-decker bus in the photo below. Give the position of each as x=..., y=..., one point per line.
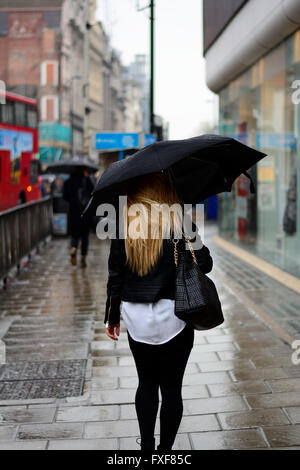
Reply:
x=19, y=165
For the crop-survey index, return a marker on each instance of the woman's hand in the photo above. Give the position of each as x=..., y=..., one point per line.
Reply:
x=113, y=331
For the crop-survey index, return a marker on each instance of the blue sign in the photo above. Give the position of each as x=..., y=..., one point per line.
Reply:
x=60, y=224
x=116, y=141
x=53, y=131
x=276, y=141
x=121, y=140
x=149, y=139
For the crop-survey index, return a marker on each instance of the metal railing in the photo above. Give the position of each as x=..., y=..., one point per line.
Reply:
x=21, y=230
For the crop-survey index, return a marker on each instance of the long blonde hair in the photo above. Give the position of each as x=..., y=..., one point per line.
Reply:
x=152, y=196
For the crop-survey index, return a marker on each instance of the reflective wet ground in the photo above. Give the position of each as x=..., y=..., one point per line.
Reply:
x=241, y=389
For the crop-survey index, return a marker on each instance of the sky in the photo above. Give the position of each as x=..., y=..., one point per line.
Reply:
x=181, y=96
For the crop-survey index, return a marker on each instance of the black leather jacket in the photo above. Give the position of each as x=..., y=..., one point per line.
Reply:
x=159, y=283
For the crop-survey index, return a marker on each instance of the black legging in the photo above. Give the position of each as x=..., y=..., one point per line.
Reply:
x=82, y=235
x=161, y=366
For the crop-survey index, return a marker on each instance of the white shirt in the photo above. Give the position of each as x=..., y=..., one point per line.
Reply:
x=152, y=323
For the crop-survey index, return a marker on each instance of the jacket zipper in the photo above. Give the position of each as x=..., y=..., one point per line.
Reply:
x=108, y=315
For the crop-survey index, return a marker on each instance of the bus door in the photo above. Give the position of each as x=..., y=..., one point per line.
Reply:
x=29, y=181
x=7, y=192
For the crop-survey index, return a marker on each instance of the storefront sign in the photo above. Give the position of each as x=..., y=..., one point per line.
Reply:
x=265, y=173
x=276, y=141
x=121, y=140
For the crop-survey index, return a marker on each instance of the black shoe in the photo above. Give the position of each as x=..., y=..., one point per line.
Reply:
x=73, y=256
x=146, y=445
x=162, y=448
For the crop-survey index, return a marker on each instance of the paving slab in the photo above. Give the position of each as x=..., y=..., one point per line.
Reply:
x=7, y=432
x=278, y=436
x=266, y=373
x=253, y=418
x=12, y=415
x=108, y=397
x=225, y=365
x=30, y=445
x=273, y=400
x=240, y=390
x=214, y=405
x=88, y=413
x=284, y=385
x=111, y=429
x=99, y=383
x=293, y=413
x=50, y=431
x=233, y=440
x=199, y=423
x=84, y=444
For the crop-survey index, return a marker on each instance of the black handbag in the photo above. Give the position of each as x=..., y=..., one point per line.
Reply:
x=196, y=297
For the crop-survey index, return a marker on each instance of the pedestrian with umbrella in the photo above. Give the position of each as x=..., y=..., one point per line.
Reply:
x=154, y=271
x=77, y=192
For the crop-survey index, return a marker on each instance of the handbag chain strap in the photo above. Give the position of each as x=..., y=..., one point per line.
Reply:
x=190, y=247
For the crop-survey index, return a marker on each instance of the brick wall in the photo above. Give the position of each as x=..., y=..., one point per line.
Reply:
x=28, y=42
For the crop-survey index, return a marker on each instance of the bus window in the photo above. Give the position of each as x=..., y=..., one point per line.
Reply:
x=34, y=172
x=7, y=113
x=20, y=113
x=32, y=117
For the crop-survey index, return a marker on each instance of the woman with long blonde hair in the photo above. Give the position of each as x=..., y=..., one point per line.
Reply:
x=142, y=277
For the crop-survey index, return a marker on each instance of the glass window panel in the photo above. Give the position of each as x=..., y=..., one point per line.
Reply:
x=32, y=117
x=257, y=109
x=7, y=114
x=34, y=172
x=20, y=114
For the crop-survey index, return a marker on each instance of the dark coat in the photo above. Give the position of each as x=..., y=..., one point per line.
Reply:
x=77, y=191
x=159, y=283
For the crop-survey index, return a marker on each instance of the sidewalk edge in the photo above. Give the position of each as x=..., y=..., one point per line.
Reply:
x=288, y=280
x=264, y=317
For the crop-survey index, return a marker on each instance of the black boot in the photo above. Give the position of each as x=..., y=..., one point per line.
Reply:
x=163, y=448
x=146, y=445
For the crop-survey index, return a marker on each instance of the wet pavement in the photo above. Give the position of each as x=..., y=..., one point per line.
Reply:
x=241, y=389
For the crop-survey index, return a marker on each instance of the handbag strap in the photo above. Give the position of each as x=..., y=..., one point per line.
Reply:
x=190, y=247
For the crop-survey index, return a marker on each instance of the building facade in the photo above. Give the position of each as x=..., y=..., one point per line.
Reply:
x=252, y=52
x=116, y=92
x=57, y=52
x=52, y=50
x=132, y=95
x=93, y=90
x=137, y=71
x=73, y=71
x=42, y=56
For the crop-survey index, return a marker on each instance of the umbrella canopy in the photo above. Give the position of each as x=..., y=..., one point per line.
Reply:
x=199, y=168
x=68, y=166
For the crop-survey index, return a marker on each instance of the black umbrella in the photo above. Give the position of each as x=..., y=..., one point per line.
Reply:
x=199, y=167
x=68, y=166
